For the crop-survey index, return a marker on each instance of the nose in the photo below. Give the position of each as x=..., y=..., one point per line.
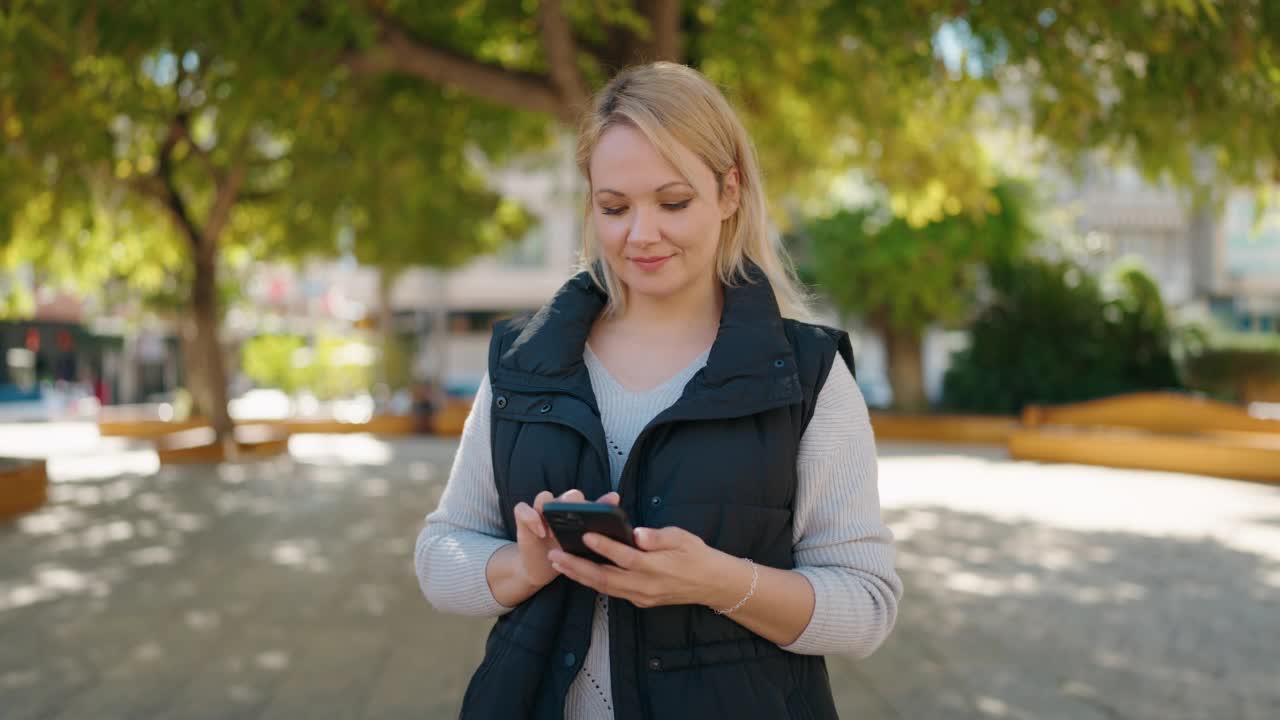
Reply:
x=644, y=227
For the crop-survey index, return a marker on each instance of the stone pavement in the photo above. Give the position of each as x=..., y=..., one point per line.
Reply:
x=284, y=589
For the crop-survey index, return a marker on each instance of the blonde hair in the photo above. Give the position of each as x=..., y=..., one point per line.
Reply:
x=674, y=104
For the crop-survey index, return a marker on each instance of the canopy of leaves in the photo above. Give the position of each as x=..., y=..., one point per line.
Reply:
x=893, y=87
x=323, y=106
x=1184, y=87
x=131, y=136
x=871, y=262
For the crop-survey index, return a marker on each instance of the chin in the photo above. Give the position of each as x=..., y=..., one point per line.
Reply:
x=654, y=286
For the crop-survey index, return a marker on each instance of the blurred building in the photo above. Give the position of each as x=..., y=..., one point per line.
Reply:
x=1229, y=264
x=1246, y=287
x=67, y=350
x=519, y=279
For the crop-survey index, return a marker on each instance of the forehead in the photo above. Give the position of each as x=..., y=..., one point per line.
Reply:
x=624, y=159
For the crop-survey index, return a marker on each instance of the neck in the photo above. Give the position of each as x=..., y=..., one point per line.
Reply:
x=695, y=311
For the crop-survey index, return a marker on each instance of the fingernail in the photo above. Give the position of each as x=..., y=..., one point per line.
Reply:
x=556, y=567
x=589, y=540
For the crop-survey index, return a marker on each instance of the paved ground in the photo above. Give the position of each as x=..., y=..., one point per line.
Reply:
x=284, y=589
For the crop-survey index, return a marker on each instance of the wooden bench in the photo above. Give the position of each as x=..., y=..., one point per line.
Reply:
x=150, y=428
x=963, y=429
x=198, y=445
x=448, y=421
x=143, y=429
x=1153, y=431
x=24, y=486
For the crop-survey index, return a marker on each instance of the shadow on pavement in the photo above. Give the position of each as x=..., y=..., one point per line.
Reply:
x=285, y=589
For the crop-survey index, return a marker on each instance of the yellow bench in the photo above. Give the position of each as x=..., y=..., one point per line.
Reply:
x=24, y=486
x=1153, y=431
x=199, y=445
x=963, y=429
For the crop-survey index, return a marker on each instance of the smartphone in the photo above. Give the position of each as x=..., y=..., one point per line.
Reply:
x=570, y=520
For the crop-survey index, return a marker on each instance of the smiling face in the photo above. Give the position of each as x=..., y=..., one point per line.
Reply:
x=657, y=231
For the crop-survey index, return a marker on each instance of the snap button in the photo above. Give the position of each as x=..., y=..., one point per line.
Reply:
x=501, y=402
x=570, y=659
x=655, y=664
x=779, y=363
x=655, y=501
x=546, y=408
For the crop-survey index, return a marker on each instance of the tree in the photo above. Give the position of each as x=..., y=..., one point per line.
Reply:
x=149, y=142
x=204, y=136
x=1184, y=89
x=396, y=220
x=901, y=278
x=790, y=69
x=888, y=86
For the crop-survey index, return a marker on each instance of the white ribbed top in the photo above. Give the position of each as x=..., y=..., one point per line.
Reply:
x=841, y=544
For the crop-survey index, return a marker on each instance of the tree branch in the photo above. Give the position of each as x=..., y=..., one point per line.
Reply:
x=228, y=192
x=562, y=52
x=257, y=196
x=168, y=189
x=664, y=29
x=184, y=134
x=614, y=53
x=398, y=51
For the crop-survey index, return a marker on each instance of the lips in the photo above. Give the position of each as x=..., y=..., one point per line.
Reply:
x=651, y=263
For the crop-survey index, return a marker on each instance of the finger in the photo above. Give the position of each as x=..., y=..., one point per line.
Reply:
x=623, y=556
x=580, y=570
x=667, y=538
x=605, y=579
x=573, y=496
x=542, y=498
x=612, y=498
x=529, y=519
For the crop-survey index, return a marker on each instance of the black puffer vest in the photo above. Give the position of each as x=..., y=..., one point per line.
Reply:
x=720, y=462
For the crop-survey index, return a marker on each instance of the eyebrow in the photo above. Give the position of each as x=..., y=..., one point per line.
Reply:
x=611, y=191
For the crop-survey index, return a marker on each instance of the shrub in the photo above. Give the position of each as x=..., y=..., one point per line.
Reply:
x=1051, y=336
x=329, y=367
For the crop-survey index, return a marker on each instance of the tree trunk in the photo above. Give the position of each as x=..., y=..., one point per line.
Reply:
x=390, y=358
x=904, y=357
x=206, y=369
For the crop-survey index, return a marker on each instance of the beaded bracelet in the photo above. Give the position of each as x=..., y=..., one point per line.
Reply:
x=755, y=577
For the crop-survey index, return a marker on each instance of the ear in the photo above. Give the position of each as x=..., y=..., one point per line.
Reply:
x=730, y=193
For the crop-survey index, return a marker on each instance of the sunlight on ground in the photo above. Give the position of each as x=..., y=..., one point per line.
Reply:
x=1078, y=497
x=354, y=449
x=76, y=452
x=1034, y=590
x=37, y=440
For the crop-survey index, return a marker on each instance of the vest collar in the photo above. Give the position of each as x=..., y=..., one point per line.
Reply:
x=751, y=364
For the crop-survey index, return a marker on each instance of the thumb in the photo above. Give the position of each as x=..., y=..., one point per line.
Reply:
x=611, y=498
x=667, y=538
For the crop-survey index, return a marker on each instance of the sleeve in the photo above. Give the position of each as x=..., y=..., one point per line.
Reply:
x=842, y=545
x=458, y=538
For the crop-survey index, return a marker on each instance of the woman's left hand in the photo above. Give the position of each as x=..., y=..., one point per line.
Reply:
x=668, y=566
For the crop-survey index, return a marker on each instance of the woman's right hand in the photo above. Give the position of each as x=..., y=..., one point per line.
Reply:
x=535, y=539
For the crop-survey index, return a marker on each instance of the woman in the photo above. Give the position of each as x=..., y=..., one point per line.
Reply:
x=664, y=378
